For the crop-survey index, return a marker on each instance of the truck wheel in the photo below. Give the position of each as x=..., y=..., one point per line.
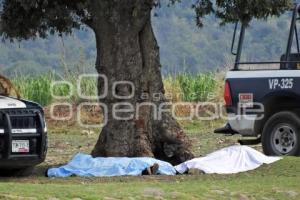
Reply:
x=281, y=135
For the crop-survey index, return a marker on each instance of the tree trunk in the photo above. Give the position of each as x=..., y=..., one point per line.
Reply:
x=128, y=51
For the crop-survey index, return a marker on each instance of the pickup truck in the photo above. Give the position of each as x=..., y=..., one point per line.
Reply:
x=265, y=103
x=23, y=135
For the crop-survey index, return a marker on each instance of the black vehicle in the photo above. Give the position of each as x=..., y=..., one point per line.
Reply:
x=265, y=103
x=23, y=134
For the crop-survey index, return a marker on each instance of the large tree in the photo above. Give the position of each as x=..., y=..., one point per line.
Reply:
x=127, y=51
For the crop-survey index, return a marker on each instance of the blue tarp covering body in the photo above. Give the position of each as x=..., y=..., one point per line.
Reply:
x=87, y=166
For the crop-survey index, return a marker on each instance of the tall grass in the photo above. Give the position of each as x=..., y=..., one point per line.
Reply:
x=38, y=88
x=194, y=88
x=35, y=88
x=182, y=87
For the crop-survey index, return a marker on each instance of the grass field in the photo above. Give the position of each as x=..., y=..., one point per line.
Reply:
x=269, y=182
x=276, y=181
x=182, y=87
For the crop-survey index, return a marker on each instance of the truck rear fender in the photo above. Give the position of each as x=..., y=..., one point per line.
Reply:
x=275, y=102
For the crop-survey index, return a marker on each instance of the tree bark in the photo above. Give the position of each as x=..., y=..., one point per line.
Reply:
x=128, y=51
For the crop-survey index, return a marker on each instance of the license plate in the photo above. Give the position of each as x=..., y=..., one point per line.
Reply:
x=20, y=146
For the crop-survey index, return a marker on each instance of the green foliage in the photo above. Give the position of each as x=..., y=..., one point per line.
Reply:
x=61, y=90
x=197, y=88
x=31, y=18
x=36, y=89
x=194, y=88
x=240, y=10
x=88, y=87
x=183, y=46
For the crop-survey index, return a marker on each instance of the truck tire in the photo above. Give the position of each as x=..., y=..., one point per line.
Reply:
x=281, y=135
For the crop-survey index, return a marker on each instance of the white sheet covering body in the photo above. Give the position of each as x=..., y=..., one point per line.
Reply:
x=230, y=160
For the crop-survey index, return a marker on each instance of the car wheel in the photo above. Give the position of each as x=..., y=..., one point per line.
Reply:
x=281, y=135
